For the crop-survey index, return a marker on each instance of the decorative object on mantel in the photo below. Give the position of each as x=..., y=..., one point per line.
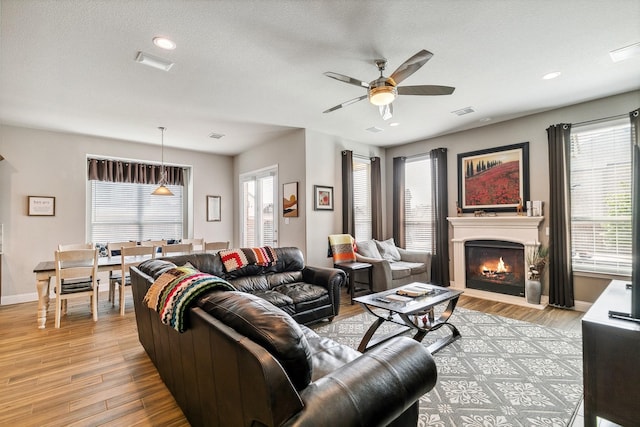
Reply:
x=495, y=179
x=536, y=261
x=162, y=189
x=479, y=213
x=458, y=209
x=519, y=208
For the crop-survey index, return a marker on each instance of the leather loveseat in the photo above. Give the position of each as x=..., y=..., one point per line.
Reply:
x=244, y=362
x=306, y=293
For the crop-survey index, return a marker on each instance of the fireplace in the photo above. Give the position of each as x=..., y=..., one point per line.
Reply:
x=495, y=266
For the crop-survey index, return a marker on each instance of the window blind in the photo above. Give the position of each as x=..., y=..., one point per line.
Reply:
x=126, y=211
x=362, y=199
x=600, y=173
x=418, y=204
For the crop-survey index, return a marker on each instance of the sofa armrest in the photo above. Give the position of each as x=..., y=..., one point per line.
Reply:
x=372, y=390
x=330, y=278
x=381, y=274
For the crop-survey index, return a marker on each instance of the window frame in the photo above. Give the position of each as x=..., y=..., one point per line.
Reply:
x=362, y=213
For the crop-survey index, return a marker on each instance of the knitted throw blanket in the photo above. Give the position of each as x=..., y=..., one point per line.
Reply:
x=342, y=248
x=171, y=294
x=234, y=259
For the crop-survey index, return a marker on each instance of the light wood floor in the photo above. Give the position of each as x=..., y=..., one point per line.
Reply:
x=95, y=374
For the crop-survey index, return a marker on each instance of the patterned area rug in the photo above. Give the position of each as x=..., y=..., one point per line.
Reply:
x=502, y=372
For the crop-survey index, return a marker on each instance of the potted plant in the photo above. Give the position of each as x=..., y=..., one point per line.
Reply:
x=537, y=259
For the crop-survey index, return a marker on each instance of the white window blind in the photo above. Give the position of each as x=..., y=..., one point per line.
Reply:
x=362, y=199
x=601, y=198
x=417, y=204
x=125, y=211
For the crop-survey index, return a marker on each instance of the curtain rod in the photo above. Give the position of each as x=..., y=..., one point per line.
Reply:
x=586, y=122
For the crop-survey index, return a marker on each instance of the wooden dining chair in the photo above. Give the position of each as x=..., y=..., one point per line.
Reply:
x=74, y=246
x=113, y=249
x=182, y=248
x=158, y=244
x=130, y=256
x=73, y=267
x=198, y=244
x=215, y=247
x=77, y=281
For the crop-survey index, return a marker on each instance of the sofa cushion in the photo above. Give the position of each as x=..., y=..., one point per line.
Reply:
x=276, y=298
x=326, y=354
x=369, y=249
x=388, y=249
x=414, y=267
x=399, y=270
x=268, y=326
x=251, y=284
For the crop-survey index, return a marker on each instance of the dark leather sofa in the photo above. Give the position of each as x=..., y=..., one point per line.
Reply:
x=244, y=362
x=307, y=293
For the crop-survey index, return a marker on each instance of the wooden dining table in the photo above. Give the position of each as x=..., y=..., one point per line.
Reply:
x=45, y=270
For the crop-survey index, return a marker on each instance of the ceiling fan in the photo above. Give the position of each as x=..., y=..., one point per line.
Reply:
x=384, y=90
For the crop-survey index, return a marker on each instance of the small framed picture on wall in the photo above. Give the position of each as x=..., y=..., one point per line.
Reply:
x=323, y=198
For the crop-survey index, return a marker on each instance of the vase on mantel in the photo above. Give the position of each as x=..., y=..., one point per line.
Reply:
x=533, y=291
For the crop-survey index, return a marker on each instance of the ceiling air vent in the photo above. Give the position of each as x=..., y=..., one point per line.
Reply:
x=374, y=129
x=154, y=61
x=216, y=135
x=463, y=111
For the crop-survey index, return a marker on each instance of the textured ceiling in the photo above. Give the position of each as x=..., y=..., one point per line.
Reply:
x=253, y=70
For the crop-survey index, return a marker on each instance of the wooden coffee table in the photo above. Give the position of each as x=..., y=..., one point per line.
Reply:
x=412, y=313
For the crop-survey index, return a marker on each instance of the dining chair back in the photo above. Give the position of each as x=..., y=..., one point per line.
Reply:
x=113, y=249
x=76, y=276
x=158, y=244
x=130, y=256
x=183, y=248
x=198, y=244
x=73, y=246
x=215, y=246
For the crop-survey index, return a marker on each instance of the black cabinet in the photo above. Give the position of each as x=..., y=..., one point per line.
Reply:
x=611, y=360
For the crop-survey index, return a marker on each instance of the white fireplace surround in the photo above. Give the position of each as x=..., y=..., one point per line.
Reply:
x=518, y=229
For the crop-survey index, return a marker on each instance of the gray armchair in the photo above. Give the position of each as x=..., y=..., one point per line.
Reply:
x=393, y=266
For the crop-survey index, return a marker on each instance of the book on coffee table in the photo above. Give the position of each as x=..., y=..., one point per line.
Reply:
x=415, y=290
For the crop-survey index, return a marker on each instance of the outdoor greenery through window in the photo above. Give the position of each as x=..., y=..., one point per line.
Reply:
x=362, y=199
x=120, y=212
x=601, y=198
x=418, y=204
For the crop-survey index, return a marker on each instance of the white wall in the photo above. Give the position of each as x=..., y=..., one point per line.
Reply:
x=532, y=129
x=324, y=167
x=41, y=163
x=287, y=152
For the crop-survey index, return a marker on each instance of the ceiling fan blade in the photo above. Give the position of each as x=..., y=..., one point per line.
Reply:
x=344, y=104
x=425, y=90
x=386, y=111
x=410, y=66
x=347, y=79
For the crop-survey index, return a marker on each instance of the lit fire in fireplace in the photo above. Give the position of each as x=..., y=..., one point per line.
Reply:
x=499, y=271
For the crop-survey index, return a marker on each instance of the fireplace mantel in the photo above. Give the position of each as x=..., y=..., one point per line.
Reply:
x=518, y=229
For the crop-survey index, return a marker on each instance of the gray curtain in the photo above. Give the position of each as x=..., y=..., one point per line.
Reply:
x=635, y=212
x=136, y=173
x=398, y=201
x=440, y=225
x=348, y=220
x=376, y=199
x=560, y=271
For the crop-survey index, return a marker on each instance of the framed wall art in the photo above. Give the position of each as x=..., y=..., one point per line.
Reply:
x=495, y=179
x=322, y=198
x=41, y=206
x=290, y=199
x=213, y=208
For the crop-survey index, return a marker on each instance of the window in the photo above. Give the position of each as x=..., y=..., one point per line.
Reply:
x=126, y=211
x=362, y=199
x=600, y=166
x=417, y=204
x=258, y=193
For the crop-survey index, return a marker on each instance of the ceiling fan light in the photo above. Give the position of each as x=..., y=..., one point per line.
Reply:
x=162, y=190
x=382, y=95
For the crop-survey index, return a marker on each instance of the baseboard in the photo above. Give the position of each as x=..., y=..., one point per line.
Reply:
x=508, y=299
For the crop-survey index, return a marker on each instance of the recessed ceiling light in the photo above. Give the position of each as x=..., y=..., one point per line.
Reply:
x=463, y=111
x=164, y=43
x=374, y=129
x=551, y=75
x=485, y=119
x=394, y=124
x=154, y=61
x=625, y=52
x=215, y=135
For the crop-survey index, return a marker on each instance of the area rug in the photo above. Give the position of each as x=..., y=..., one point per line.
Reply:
x=502, y=372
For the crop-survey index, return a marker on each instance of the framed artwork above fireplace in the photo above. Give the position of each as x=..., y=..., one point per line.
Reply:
x=494, y=179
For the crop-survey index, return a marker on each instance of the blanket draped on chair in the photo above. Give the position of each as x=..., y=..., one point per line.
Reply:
x=171, y=294
x=342, y=248
x=234, y=259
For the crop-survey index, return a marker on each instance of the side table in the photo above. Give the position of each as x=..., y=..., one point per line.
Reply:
x=350, y=269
